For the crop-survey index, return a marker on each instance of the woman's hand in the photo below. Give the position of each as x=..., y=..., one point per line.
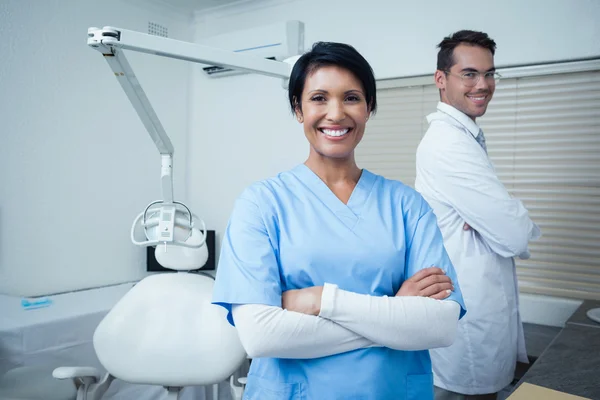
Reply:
x=305, y=301
x=429, y=282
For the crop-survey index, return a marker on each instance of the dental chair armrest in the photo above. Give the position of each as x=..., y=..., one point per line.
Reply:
x=77, y=372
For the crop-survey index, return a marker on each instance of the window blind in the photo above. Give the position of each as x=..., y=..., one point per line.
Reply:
x=543, y=136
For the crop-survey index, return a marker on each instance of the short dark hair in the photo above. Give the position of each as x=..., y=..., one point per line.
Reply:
x=331, y=54
x=445, y=58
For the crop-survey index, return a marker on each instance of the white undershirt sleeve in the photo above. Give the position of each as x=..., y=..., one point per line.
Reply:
x=269, y=331
x=400, y=323
x=348, y=321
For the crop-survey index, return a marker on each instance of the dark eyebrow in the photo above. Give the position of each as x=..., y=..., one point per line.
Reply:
x=493, y=69
x=326, y=92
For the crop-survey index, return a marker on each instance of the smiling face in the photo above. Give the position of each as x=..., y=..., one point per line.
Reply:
x=472, y=101
x=334, y=112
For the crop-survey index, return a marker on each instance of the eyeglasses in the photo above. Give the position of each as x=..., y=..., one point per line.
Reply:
x=471, y=78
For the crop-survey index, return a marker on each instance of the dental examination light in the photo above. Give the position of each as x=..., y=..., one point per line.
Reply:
x=165, y=331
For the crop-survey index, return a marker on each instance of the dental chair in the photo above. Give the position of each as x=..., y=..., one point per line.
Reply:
x=166, y=332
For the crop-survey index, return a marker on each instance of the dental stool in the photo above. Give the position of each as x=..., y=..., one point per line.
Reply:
x=35, y=383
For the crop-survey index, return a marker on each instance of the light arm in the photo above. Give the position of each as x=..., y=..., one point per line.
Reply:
x=110, y=39
x=103, y=41
x=110, y=42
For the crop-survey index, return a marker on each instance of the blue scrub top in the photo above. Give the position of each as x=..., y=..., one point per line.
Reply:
x=292, y=232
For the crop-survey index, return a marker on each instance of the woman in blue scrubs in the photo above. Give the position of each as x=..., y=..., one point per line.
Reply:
x=336, y=278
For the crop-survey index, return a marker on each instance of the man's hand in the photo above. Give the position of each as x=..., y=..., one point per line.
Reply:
x=429, y=282
x=305, y=301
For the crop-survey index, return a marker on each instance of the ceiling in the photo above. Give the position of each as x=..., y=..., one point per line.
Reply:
x=195, y=5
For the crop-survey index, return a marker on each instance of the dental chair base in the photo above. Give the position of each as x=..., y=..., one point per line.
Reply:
x=91, y=385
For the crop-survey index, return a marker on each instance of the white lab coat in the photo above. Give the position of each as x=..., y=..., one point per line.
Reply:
x=456, y=177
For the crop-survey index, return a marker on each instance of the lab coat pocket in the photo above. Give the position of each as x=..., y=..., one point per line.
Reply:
x=419, y=387
x=260, y=388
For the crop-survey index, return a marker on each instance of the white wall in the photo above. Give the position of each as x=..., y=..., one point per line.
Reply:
x=241, y=129
x=76, y=165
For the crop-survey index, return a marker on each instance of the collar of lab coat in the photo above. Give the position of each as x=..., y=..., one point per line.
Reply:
x=458, y=116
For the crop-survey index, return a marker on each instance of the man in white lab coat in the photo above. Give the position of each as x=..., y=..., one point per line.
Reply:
x=482, y=225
